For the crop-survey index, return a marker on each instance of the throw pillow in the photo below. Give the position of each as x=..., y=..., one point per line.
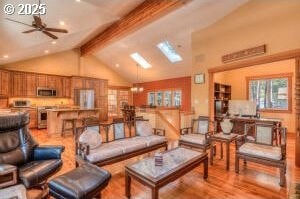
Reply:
x=91, y=137
x=143, y=128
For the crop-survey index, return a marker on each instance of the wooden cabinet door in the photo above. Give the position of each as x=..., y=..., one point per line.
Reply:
x=33, y=118
x=51, y=81
x=31, y=84
x=78, y=82
x=18, y=84
x=67, y=87
x=89, y=84
x=42, y=81
x=59, y=86
x=5, y=83
x=97, y=88
x=101, y=102
x=103, y=88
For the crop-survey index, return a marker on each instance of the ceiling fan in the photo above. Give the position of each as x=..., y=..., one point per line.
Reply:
x=38, y=25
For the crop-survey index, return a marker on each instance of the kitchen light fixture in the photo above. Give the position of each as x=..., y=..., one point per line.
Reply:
x=117, y=65
x=62, y=23
x=140, y=60
x=136, y=87
x=46, y=51
x=53, y=42
x=166, y=48
x=5, y=56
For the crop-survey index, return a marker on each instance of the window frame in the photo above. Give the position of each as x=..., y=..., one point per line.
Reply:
x=289, y=76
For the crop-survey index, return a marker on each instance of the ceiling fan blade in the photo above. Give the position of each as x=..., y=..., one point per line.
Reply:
x=29, y=31
x=38, y=21
x=19, y=22
x=56, y=30
x=50, y=35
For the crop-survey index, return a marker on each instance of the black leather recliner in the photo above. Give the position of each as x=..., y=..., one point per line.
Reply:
x=17, y=147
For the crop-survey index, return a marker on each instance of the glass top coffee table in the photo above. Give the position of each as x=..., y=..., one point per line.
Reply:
x=176, y=163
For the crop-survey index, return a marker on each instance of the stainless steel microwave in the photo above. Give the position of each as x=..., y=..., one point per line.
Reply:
x=46, y=92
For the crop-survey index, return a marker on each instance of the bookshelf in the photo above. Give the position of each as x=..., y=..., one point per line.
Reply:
x=222, y=95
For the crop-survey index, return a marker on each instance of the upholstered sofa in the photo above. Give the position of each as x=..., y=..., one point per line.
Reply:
x=91, y=149
x=34, y=164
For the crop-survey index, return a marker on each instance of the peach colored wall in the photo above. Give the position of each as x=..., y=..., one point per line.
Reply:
x=275, y=24
x=237, y=80
x=70, y=63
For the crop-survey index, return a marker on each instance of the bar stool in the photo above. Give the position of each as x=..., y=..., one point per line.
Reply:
x=72, y=122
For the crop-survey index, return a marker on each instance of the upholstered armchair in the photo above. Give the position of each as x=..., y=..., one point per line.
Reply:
x=197, y=135
x=261, y=148
x=34, y=164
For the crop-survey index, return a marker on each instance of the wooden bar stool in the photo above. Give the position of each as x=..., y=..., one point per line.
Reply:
x=66, y=122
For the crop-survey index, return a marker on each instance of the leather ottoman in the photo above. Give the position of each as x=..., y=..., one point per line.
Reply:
x=86, y=181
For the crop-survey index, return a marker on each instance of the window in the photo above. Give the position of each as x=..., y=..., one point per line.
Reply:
x=151, y=98
x=177, y=98
x=166, y=48
x=159, y=98
x=140, y=60
x=165, y=98
x=271, y=93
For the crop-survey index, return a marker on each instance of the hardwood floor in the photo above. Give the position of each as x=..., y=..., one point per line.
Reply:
x=254, y=181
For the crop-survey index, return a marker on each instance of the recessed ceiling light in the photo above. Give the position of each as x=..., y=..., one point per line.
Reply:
x=77, y=0
x=53, y=42
x=140, y=60
x=117, y=65
x=46, y=51
x=62, y=23
x=5, y=56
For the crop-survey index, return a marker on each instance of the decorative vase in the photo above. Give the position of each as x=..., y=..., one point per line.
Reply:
x=226, y=126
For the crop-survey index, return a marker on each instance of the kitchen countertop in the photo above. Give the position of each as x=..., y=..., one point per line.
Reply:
x=72, y=109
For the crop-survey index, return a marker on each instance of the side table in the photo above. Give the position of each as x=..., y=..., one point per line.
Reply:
x=223, y=138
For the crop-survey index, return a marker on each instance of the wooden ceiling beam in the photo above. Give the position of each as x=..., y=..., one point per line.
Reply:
x=146, y=12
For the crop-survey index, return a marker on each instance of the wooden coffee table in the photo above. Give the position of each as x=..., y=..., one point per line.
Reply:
x=176, y=163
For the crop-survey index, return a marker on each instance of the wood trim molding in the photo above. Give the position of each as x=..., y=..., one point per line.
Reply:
x=291, y=54
x=119, y=87
x=280, y=75
x=145, y=13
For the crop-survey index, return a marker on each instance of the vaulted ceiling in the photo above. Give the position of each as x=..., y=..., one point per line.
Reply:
x=88, y=18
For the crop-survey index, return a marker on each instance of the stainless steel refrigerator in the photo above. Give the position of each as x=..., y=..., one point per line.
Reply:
x=85, y=98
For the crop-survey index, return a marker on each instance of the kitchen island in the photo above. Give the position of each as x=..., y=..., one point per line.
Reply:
x=55, y=118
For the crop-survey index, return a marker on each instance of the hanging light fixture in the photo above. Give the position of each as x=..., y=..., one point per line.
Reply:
x=136, y=87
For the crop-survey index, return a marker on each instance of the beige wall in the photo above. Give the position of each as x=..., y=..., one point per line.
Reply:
x=70, y=63
x=237, y=80
x=271, y=22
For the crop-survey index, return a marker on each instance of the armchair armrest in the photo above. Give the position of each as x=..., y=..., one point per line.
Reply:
x=82, y=150
x=240, y=140
x=160, y=132
x=47, y=152
x=185, y=130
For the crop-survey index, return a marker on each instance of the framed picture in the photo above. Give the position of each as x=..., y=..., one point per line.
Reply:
x=199, y=78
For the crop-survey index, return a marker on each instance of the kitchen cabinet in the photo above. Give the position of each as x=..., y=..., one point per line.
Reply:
x=42, y=80
x=52, y=81
x=78, y=83
x=66, y=87
x=18, y=84
x=4, y=86
x=31, y=84
x=33, y=118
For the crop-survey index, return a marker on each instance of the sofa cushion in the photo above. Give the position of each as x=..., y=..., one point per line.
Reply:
x=91, y=137
x=264, y=151
x=132, y=144
x=155, y=139
x=143, y=128
x=106, y=150
x=119, y=130
x=194, y=138
x=36, y=172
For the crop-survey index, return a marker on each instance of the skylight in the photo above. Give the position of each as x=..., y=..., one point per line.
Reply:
x=166, y=48
x=140, y=60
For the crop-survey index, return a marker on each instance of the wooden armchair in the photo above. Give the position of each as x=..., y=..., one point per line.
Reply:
x=197, y=136
x=262, y=148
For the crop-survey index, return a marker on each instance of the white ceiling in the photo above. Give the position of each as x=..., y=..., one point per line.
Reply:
x=82, y=20
x=175, y=27
x=89, y=17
